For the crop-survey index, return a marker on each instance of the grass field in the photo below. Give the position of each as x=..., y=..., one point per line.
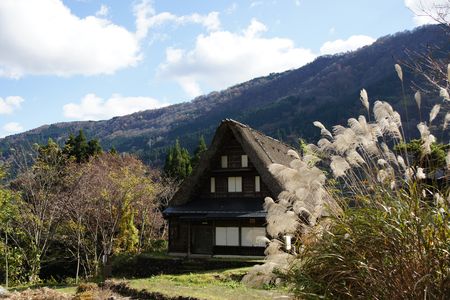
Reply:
x=214, y=285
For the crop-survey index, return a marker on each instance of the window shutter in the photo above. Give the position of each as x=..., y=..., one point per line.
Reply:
x=257, y=184
x=221, y=236
x=231, y=184
x=251, y=236
x=213, y=184
x=244, y=161
x=224, y=161
x=232, y=236
x=238, y=184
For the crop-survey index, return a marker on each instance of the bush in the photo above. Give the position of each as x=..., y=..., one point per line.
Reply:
x=86, y=287
x=394, y=249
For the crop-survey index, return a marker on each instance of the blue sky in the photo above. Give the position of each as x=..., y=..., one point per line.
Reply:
x=94, y=59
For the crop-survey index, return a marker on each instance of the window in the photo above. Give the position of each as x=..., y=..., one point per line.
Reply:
x=234, y=184
x=257, y=184
x=244, y=161
x=224, y=161
x=213, y=184
x=250, y=236
x=227, y=236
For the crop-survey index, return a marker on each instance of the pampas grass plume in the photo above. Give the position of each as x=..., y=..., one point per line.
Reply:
x=448, y=73
x=293, y=154
x=446, y=120
x=420, y=174
x=418, y=98
x=399, y=71
x=434, y=112
x=444, y=94
x=364, y=99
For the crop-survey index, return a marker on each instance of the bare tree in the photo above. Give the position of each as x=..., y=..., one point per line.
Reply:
x=40, y=187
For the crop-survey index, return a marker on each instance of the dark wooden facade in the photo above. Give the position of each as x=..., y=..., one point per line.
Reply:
x=222, y=220
x=202, y=237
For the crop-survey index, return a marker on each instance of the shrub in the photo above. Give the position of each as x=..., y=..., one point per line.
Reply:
x=86, y=287
x=394, y=248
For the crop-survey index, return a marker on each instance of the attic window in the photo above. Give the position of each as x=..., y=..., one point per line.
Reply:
x=257, y=184
x=213, y=184
x=244, y=161
x=224, y=161
x=234, y=184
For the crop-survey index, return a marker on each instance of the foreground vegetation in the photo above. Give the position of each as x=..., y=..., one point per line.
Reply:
x=215, y=285
x=69, y=209
x=387, y=202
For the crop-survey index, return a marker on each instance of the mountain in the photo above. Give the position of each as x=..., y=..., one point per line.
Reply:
x=282, y=105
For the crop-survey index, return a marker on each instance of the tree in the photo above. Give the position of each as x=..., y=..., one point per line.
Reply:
x=201, y=147
x=110, y=209
x=40, y=188
x=80, y=148
x=94, y=148
x=178, y=162
x=11, y=264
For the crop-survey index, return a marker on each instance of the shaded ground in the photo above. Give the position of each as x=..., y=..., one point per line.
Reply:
x=62, y=294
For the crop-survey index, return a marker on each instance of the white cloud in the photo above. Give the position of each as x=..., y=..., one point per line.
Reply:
x=10, y=104
x=223, y=58
x=352, y=43
x=44, y=37
x=255, y=3
x=12, y=127
x=92, y=107
x=429, y=11
x=232, y=8
x=103, y=11
x=297, y=2
x=147, y=18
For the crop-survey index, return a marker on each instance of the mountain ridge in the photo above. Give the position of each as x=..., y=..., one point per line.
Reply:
x=282, y=105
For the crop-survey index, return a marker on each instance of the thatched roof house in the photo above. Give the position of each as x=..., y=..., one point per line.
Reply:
x=218, y=210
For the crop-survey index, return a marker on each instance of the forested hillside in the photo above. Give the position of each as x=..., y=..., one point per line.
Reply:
x=282, y=105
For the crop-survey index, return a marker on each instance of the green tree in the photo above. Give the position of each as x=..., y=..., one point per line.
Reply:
x=80, y=148
x=11, y=261
x=40, y=188
x=201, y=147
x=94, y=148
x=113, y=150
x=178, y=162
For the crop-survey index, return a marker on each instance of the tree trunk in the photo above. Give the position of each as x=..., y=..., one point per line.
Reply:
x=78, y=251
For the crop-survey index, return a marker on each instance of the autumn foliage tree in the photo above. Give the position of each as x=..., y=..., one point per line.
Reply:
x=115, y=209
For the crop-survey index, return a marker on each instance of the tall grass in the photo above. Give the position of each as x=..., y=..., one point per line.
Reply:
x=387, y=228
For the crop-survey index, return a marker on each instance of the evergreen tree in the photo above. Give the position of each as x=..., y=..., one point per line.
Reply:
x=113, y=150
x=94, y=148
x=201, y=147
x=178, y=162
x=80, y=149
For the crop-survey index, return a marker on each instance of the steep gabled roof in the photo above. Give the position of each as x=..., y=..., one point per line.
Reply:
x=261, y=149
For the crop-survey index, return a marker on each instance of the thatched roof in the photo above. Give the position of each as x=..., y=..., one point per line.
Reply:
x=261, y=150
